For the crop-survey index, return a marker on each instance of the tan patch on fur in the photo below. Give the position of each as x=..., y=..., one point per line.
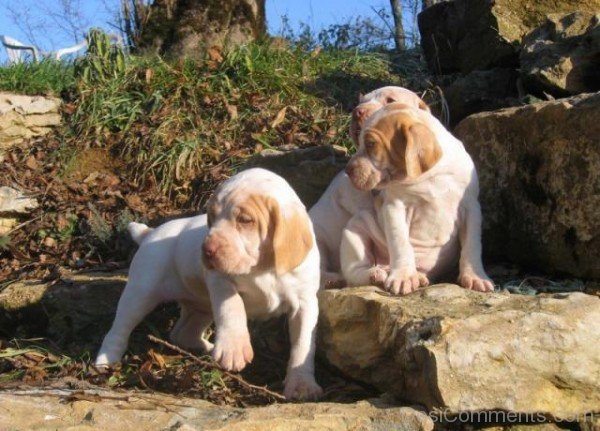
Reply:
x=290, y=237
x=410, y=146
x=422, y=149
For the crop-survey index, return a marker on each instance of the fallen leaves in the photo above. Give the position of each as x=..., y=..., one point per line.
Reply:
x=279, y=117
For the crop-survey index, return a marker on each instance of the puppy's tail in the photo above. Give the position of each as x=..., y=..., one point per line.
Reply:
x=138, y=231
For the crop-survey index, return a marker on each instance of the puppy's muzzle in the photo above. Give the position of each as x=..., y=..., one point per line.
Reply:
x=210, y=249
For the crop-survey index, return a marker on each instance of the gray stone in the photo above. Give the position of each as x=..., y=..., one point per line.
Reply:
x=14, y=202
x=104, y=410
x=562, y=57
x=308, y=170
x=458, y=350
x=540, y=189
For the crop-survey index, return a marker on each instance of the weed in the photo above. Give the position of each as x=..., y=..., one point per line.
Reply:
x=102, y=62
x=4, y=242
x=187, y=124
x=101, y=229
x=48, y=76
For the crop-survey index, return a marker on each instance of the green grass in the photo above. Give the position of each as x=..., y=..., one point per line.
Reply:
x=181, y=125
x=48, y=77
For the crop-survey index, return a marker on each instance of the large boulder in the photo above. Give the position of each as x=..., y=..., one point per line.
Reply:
x=540, y=189
x=562, y=57
x=105, y=410
x=308, y=170
x=458, y=350
x=23, y=117
x=466, y=35
x=481, y=90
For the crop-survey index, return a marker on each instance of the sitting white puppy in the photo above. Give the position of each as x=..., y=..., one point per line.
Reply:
x=341, y=200
x=427, y=218
x=252, y=256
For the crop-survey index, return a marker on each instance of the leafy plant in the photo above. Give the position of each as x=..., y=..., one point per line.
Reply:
x=103, y=61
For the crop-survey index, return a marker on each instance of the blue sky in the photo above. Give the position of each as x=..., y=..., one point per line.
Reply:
x=50, y=33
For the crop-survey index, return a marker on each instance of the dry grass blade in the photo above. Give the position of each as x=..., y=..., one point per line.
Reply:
x=216, y=367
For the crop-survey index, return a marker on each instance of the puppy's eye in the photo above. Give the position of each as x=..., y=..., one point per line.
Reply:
x=390, y=100
x=245, y=219
x=369, y=145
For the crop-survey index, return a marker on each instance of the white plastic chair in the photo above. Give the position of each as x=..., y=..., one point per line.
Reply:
x=70, y=50
x=16, y=50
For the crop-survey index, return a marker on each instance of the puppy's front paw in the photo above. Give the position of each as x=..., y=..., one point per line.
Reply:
x=378, y=274
x=105, y=360
x=233, y=351
x=300, y=386
x=476, y=281
x=405, y=281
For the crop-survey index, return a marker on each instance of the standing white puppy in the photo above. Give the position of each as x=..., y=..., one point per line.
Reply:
x=427, y=218
x=252, y=256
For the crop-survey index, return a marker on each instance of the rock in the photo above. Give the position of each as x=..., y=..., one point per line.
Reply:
x=590, y=423
x=538, y=167
x=104, y=410
x=308, y=170
x=75, y=313
x=562, y=57
x=466, y=35
x=7, y=224
x=458, y=350
x=23, y=117
x=481, y=90
x=13, y=203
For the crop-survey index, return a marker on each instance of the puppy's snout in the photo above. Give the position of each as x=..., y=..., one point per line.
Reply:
x=210, y=247
x=359, y=113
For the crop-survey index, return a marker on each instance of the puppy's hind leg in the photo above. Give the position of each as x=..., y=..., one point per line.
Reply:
x=135, y=303
x=189, y=330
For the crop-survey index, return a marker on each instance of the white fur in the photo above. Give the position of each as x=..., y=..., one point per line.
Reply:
x=168, y=267
x=422, y=227
x=341, y=200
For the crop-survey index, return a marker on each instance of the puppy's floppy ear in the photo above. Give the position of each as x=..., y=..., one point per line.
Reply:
x=421, y=149
x=292, y=238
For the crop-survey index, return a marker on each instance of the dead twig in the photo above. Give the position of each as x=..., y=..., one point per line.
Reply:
x=216, y=367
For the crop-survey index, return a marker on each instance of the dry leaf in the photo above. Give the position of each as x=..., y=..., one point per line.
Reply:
x=157, y=358
x=31, y=163
x=279, y=117
x=214, y=53
x=232, y=111
x=49, y=242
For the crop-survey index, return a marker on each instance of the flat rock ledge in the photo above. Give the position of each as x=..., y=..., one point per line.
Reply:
x=23, y=117
x=456, y=350
x=106, y=410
